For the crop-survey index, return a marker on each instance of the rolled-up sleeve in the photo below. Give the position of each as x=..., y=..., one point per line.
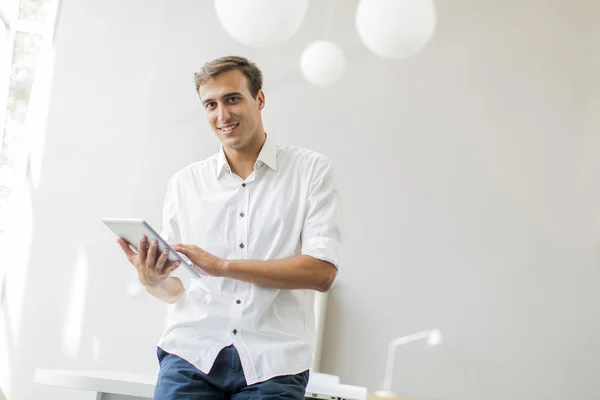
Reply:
x=321, y=233
x=171, y=232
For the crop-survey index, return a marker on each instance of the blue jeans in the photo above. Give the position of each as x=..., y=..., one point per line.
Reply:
x=180, y=380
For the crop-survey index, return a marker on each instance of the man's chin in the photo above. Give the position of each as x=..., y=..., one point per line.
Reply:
x=232, y=143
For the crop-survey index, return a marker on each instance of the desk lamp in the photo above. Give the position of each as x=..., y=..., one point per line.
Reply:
x=434, y=337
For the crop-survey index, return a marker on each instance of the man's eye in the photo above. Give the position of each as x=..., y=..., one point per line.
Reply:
x=210, y=105
x=233, y=99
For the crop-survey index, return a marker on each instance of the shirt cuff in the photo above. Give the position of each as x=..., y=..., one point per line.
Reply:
x=322, y=248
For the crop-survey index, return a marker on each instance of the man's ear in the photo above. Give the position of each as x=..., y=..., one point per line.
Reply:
x=260, y=99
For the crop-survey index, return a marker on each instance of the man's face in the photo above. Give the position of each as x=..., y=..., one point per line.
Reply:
x=231, y=111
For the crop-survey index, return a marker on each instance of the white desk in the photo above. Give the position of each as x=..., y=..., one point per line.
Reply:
x=106, y=385
x=122, y=386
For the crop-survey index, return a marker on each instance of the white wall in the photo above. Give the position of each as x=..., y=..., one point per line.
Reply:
x=469, y=175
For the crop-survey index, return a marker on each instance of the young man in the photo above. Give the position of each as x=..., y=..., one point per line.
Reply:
x=259, y=221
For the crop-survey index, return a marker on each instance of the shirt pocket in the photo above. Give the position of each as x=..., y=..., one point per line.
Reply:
x=214, y=225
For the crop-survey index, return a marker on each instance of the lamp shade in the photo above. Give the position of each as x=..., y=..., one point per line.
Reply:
x=323, y=63
x=395, y=28
x=261, y=22
x=435, y=338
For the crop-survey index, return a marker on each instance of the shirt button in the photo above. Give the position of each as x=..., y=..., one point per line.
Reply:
x=242, y=214
x=238, y=301
x=241, y=245
x=235, y=331
x=243, y=185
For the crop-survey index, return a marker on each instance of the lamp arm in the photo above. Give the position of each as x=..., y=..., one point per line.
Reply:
x=389, y=368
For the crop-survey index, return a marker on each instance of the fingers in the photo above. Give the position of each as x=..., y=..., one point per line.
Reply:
x=143, y=249
x=151, y=256
x=161, y=260
x=180, y=246
x=183, y=248
x=171, y=267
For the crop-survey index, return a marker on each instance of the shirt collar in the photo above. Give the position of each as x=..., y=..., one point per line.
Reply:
x=221, y=162
x=267, y=155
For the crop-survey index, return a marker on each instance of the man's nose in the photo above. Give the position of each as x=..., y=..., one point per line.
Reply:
x=223, y=114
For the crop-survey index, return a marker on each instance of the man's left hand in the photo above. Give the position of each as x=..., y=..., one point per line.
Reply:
x=206, y=263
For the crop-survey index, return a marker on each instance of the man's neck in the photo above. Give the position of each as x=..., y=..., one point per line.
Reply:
x=242, y=162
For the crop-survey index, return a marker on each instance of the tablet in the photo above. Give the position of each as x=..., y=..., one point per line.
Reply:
x=132, y=229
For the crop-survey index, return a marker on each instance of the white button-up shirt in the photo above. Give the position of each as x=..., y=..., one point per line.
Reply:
x=288, y=206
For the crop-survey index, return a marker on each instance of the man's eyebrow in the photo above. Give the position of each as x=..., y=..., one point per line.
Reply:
x=225, y=96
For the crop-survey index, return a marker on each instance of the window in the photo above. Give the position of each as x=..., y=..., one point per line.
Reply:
x=26, y=36
x=24, y=26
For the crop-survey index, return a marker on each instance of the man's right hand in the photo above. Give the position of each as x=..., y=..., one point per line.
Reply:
x=151, y=267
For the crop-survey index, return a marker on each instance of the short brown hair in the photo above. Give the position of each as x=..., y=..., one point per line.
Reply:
x=223, y=64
